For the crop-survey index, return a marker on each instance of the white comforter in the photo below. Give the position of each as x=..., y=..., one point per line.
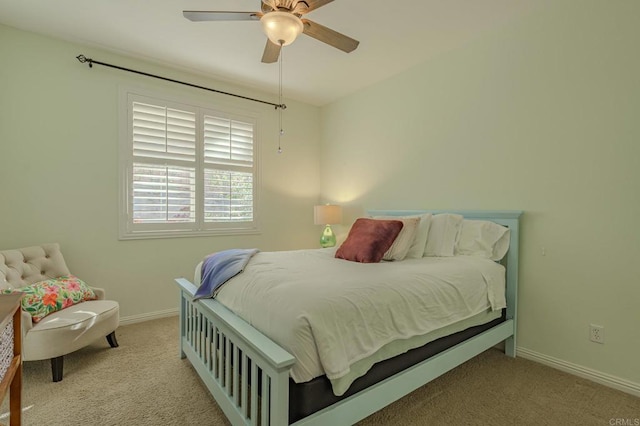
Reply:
x=330, y=312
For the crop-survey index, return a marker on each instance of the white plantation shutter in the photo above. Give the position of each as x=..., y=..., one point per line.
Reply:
x=228, y=196
x=163, y=133
x=228, y=174
x=228, y=142
x=164, y=141
x=163, y=194
x=188, y=170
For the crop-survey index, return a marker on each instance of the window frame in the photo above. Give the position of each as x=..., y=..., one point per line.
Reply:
x=130, y=230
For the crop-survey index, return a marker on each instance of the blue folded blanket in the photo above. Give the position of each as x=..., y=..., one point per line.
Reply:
x=220, y=267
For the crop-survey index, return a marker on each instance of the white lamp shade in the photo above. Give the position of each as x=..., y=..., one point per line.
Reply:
x=328, y=214
x=281, y=27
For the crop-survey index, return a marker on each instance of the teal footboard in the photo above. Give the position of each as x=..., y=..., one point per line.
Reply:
x=247, y=374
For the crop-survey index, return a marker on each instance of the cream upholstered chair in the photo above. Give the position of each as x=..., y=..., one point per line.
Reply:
x=64, y=331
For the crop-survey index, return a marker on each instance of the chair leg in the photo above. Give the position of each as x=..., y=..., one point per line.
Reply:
x=56, y=368
x=111, y=338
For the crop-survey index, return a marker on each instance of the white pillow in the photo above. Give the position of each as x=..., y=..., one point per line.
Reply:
x=443, y=234
x=417, y=247
x=483, y=238
x=402, y=243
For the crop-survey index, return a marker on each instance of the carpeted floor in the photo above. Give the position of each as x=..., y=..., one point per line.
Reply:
x=144, y=382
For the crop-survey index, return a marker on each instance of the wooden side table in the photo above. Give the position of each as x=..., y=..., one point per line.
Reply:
x=11, y=355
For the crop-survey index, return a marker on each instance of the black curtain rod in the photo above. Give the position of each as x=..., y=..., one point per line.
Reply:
x=84, y=59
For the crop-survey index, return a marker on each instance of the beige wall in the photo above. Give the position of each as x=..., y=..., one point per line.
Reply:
x=541, y=116
x=59, y=168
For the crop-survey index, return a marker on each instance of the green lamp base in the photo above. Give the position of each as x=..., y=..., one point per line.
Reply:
x=328, y=238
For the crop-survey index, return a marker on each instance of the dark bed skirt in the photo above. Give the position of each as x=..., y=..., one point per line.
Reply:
x=310, y=397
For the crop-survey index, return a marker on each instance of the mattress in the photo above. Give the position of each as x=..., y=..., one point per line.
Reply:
x=314, y=395
x=337, y=318
x=398, y=347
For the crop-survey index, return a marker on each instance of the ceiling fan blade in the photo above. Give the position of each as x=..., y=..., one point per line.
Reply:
x=329, y=36
x=268, y=6
x=311, y=5
x=202, y=15
x=271, y=52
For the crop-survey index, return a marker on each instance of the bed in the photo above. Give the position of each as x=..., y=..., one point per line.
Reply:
x=252, y=377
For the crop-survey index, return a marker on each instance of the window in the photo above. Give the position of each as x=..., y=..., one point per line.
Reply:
x=186, y=170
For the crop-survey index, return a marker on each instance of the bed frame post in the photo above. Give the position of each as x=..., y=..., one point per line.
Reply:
x=183, y=314
x=512, y=283
x=280, y=410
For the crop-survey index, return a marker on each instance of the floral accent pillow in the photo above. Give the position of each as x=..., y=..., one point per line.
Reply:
x=46, y=297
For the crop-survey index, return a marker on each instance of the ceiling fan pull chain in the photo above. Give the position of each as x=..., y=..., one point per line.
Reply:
x=280, y=101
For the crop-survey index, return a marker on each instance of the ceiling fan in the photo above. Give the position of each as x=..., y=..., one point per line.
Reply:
x=282, y=22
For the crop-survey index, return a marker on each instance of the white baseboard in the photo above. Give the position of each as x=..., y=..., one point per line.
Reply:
x=580, y=371
x=132, y=319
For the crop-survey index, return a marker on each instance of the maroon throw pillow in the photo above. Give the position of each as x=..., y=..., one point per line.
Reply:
x=369, y=239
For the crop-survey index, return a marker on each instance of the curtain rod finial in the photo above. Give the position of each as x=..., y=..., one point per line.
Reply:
x=84, y=59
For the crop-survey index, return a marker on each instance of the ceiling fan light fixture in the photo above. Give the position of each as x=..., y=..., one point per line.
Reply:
x=281, y=27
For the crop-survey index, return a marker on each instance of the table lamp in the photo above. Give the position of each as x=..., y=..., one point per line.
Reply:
x=327, y=215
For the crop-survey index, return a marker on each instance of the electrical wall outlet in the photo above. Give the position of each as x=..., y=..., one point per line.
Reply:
x=596, y=333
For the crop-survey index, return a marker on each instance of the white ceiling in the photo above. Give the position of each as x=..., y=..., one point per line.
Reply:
x=393, y=36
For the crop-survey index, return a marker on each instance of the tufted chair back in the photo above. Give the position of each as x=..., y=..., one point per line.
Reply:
x=29, y=265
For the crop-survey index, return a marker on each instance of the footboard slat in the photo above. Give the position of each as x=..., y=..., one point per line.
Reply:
x=241, y=367
x=214, y=352
x=227, y=366
x=193, y=324
x=264, y=417
x=198, y=339
x=244, y=402
x=236, y=375
x=207, y=343
x=219, y=369
x=253, y=388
